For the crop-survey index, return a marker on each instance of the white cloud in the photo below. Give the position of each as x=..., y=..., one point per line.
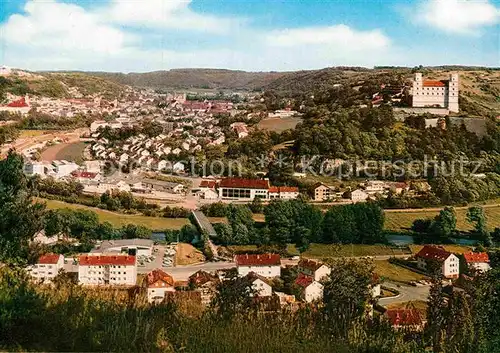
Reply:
x=60, y=27
x=165, y=14
x=339, y=36
x=458, y=16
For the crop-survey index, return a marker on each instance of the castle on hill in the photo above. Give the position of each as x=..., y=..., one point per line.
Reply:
x=438, y=94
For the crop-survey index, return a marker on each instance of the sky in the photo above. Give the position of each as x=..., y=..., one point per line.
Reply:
x=252, y=35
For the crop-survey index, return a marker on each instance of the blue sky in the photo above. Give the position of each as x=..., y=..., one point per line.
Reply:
x=256, y=35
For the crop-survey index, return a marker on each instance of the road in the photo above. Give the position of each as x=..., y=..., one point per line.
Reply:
x=406, y=294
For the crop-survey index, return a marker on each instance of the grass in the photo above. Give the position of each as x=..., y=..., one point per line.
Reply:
x=279, y=124
x=119, y=220
x=355, y=250
x=402, y=220
x=456, y=249
x=32, y=133
x=72, y=152
x=393, y=272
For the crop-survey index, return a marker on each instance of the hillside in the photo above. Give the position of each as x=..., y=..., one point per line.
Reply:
x=194, y=78
x=58, y=85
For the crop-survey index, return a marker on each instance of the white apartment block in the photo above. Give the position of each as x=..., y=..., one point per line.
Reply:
x=431, y=93
x=265, y=265
x=107, y=270
x=47, y=267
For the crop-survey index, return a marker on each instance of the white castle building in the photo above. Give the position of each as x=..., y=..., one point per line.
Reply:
x=429, y=93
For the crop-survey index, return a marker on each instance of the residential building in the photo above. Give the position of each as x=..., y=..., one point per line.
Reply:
x=314, y=269
x=479, y=261
x=243, y=189
x=266, y=265
x=47, y=267
x=359, y=195
x=205, y=283
x=283, y=192
x=442, y=94
x=158, y=282
x=92, y=166
x=260, y=284
x=107, y=270
x=437, y=256
x=311, y=290
x=322, y=192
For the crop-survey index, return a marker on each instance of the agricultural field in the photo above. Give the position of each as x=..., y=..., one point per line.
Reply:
x=398, y=220
x=393, y=272
x=72, y=152
x=278, y=124
x=119, y=220
x=33, y=133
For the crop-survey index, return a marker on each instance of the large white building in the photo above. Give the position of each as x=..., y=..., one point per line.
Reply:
x=248, y=189
x=431, y=93
x=47, y=267
x=266, y=265
x=107, y=270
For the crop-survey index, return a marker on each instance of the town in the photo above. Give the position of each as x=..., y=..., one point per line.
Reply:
x=268, y=177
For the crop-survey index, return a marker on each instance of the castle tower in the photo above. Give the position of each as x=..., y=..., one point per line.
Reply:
x=453, y=94
x=417, y=95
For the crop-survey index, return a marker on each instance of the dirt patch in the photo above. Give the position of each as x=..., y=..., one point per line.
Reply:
x=187, y=255
x=72, y=152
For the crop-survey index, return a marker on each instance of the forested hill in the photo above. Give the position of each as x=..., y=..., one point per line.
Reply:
x=194, y=78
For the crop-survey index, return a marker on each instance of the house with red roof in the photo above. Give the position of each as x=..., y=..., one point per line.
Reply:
x=283, y=192
x=314, y=269
x=158, y=282
x=405, y=318
x=47, y=267
x=310, y=289
x=266, y=265
x=479, y=261
x=205, y=283
x=107, y=269
x=431, y=255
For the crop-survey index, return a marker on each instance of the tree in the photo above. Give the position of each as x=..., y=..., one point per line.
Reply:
x=444, y=224
x=346, y=295
x=20, y=217
x=435, y=315
x=233, y=296
x=476, y=217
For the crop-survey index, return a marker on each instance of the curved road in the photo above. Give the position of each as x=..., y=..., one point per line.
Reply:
x=406, y=294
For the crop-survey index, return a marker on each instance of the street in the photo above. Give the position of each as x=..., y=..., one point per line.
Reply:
x=406, y=293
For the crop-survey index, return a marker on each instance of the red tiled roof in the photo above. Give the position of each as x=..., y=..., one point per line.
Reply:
x=201, y=277
x=244, y=183
x=310, y=264
x=86, y=175
x=303, y=280
x=20, y=103
x=95, y=260
x=288, y=189
x=208, y=184
x=399, y=317
x=49, y=259
x=430, y=83
x=274, y=189
x=433, y=253
x=252, y=276
x=159, y=275
x=476, y=257
x=258, y=260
